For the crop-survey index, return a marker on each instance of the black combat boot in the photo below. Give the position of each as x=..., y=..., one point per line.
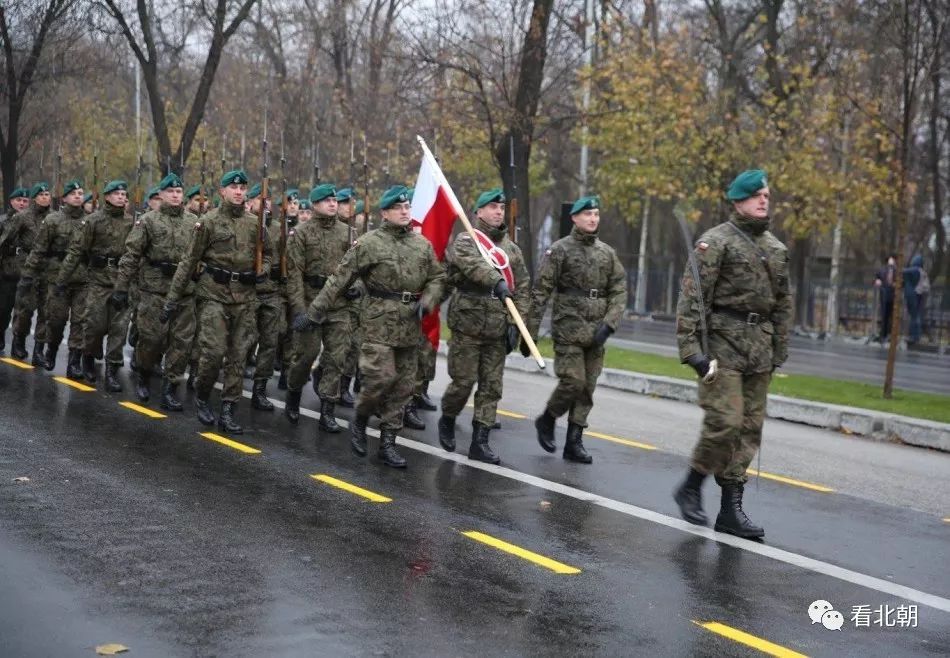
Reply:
x=190, y=382
x=327, y=421
x=346, y=398
x=574, y=445
x=112, y=378
x=282, y=380
x=423, y=401
x=732, y=520
x=496, y=425
x=411, y=419
x=259, y=396
x=387, y=450
x=18, y=347
x=205, y=415
x=226, y=422
x=89, y=368
x=38, y=359
x=447, y=432
x=358, y=434
x=50, y=357
x=142, y=388
x=479, y=449
x=689, y=497
x=292, y=406
x=74, y=364
x=544, y=424
x=170, y=399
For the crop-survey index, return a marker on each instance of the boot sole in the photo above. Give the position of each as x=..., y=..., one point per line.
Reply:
x=741, y=535
x=392, y=465
x=335, y=430
x=239, y=430
x=447, y=447
x=494, y=461
x=579, y=460
x=695, y=521
x=261, y=407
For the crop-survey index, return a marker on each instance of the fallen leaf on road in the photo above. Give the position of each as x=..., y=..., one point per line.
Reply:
x=22, y=478
x=544, y=503
x=111, y=649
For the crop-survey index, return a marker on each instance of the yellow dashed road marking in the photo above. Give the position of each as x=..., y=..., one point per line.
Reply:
x=223, y=440
x=79, y=386
x=352, y=488
x=15, y=362
x=617, y=439
x=145, y=411
x=741, y=637
x=791, y=481
x=546, y=562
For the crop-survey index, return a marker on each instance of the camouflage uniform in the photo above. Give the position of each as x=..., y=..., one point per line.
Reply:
x=271, y=321
x=55, y=234
x=19, y=234
x=155, y=246
x=349, y=369
x=99, y=244
x=9, y=277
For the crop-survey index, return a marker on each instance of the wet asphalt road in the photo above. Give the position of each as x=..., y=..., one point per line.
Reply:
x=140, y=531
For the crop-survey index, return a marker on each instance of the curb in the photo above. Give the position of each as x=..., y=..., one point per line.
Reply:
x=875, y=425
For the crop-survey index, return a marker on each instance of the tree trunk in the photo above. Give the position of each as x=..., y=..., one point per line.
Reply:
x=640, y=299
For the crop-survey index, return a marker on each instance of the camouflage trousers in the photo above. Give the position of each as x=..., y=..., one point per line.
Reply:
x=577, y=369
x=226, y=333
x=271, y=319
x=7, y=302
x=133, y=314
x=388, y=374
x=173, y=339
x=425, y=369
x=71, y=307
x=356, y=337
x=28, y=301
x=734, y=407
x=102, y=320
x=334, y=337
x=475, y=360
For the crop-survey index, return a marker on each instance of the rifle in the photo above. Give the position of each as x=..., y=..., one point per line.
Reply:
x=57, y=190
x=95, y=181
x=202, y=200
x=365, y=189
x=137, y=192
x=282, y=247
x=513, y=202
x=694, y=270
x=259, y=251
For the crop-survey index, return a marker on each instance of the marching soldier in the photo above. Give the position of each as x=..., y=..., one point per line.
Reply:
x=100, y=243
x=403, y=280
x=9, y=275
x=589, y=286
x=154, y=199
x=281, y=361
x=482, y=331
x=155, y=246
x=346, y=212
x=314, y=253
x=743, y=270
x=87, y=203
x=224, y=242
x=305, y=212
x=194, y=198
x=19, y=234
x=53, y=238
x=286, y=353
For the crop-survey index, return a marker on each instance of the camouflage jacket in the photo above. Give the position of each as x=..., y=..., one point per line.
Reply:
x=52, y=241
x=589, y=285
x=314, y=253
x=17, y=238
x=224, y=238
x=274, y=285
x=154, y=248
x=473, y=310
x=744, y=270
x=99, y=244
x=389, y=260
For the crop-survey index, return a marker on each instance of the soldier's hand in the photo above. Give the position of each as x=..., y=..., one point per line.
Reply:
x=421, y=311
x=524, y=349
x=59, y=290
x=25, y=283
x=511, y=338
x=166, y=313
x=302, y=322
x=501, y=290
x=119, y=299
x=602, y=333
x=699, y=363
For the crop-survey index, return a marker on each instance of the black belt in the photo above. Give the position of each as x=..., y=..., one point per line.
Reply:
x=472, y=290
x=58, y=255
x=589, y=293
x=104, y=261
x=221, y=275
x=167, y=267
x=405, y=296
x=743, y=316
x=275, y=274
x=316, y=281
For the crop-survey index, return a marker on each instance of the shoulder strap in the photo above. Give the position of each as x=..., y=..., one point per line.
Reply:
x=763, y=257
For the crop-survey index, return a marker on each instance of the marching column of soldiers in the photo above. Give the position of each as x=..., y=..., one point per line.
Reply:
x=317, y=296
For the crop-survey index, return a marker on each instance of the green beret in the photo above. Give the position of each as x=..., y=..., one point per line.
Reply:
x=395, y=194
x=746, y=184
x=293, y=194
x=38, y=188
x=496, y=195
x=585, y=203
x=193, y=191
x=71, y=185
x=234, y=176
x=305, y=204
x=254, y=192
x=412, y=191
x=88, y=198
x=20, y=193
x=171, y=180
x=117, y=186
x=345, y=195
x=321, y=192
x=359, y=208
x=152, y=193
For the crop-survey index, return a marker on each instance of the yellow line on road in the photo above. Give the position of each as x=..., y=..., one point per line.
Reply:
x=223, y=440
x=17, y=363
x=617, y=439
x=947, y=520
x=352, y=488
x=791, y=481
x=510, y=414
x=546, y=562
x=145, y=411
x=72, y=382
x=736, y=635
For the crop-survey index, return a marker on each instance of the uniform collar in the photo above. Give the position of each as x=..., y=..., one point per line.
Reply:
x=750, y=225
x=398, y=231
x=584, y=238
x=495, y=233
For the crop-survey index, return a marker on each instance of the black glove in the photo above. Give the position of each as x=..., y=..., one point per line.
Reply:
x=25, y=282
x=501, y=290
x=59, y=290
x=353, y=293
x=302, y=322
x=166, y=313
x=699, y=363
x=119, y=299
x=512, y=338
x=421, y=311
x=260, y=278
x=602, y=333
x=525, y=350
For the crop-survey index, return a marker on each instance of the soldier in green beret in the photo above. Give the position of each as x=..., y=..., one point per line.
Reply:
x=99, y=244
x=346, y=214
x=589, y=286
x=55, y=233
x=403, y=281
x=224, y=242
x=154, y=199
x=19, y=200
x=743, y=270
x=16, y=242
x=195, y=199
x=285, y=337
x=155, y=246
x=305, y=212
x=87, y=203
